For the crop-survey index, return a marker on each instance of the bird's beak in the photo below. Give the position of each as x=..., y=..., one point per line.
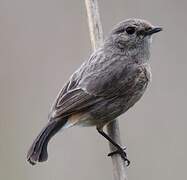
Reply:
x=153, y=30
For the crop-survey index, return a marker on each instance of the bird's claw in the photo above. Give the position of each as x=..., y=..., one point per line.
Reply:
x=122, y=153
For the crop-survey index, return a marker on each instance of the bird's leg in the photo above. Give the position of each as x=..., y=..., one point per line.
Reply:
x=119, y=150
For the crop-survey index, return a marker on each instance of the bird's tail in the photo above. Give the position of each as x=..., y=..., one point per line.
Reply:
x=38, y=150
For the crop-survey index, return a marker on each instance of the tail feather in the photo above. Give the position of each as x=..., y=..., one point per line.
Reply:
x=38, y=150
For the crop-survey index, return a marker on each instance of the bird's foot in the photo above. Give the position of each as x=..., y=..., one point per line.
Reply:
x=122, y=153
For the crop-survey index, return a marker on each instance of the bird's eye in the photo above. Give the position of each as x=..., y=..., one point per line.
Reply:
x=130, y=30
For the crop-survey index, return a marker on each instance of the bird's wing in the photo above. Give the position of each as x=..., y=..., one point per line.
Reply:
x=72, y=98
x=73, y=101
x=80, y=99
x=93, y=83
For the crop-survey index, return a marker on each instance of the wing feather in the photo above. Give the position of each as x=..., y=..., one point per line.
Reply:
x=73, y=102
x=91, y=84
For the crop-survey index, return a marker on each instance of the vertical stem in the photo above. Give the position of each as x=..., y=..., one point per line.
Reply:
x=119, y=167
x=94, y=22
x=96, y=36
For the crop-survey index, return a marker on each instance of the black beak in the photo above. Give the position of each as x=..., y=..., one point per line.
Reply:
x=153, y=30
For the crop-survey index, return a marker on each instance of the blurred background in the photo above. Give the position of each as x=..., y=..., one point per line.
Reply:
x=42, y=43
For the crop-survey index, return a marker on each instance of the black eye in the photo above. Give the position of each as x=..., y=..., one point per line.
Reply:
x=130, y=30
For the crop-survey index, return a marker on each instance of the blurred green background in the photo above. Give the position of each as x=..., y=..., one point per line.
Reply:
x=41, y=43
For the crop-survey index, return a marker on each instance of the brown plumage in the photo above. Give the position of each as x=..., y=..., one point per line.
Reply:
x=107, y=85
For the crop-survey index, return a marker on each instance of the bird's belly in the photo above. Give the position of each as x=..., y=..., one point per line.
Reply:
x=106, y=111
x=110, y=108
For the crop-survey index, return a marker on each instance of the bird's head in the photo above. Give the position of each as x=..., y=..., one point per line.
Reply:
x=132, y=33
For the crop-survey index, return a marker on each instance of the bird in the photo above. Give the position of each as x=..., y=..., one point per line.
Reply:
x=105, y=86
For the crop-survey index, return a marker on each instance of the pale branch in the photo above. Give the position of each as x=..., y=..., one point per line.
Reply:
x=96, y=36
x=94, y=22
x=119, y=167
